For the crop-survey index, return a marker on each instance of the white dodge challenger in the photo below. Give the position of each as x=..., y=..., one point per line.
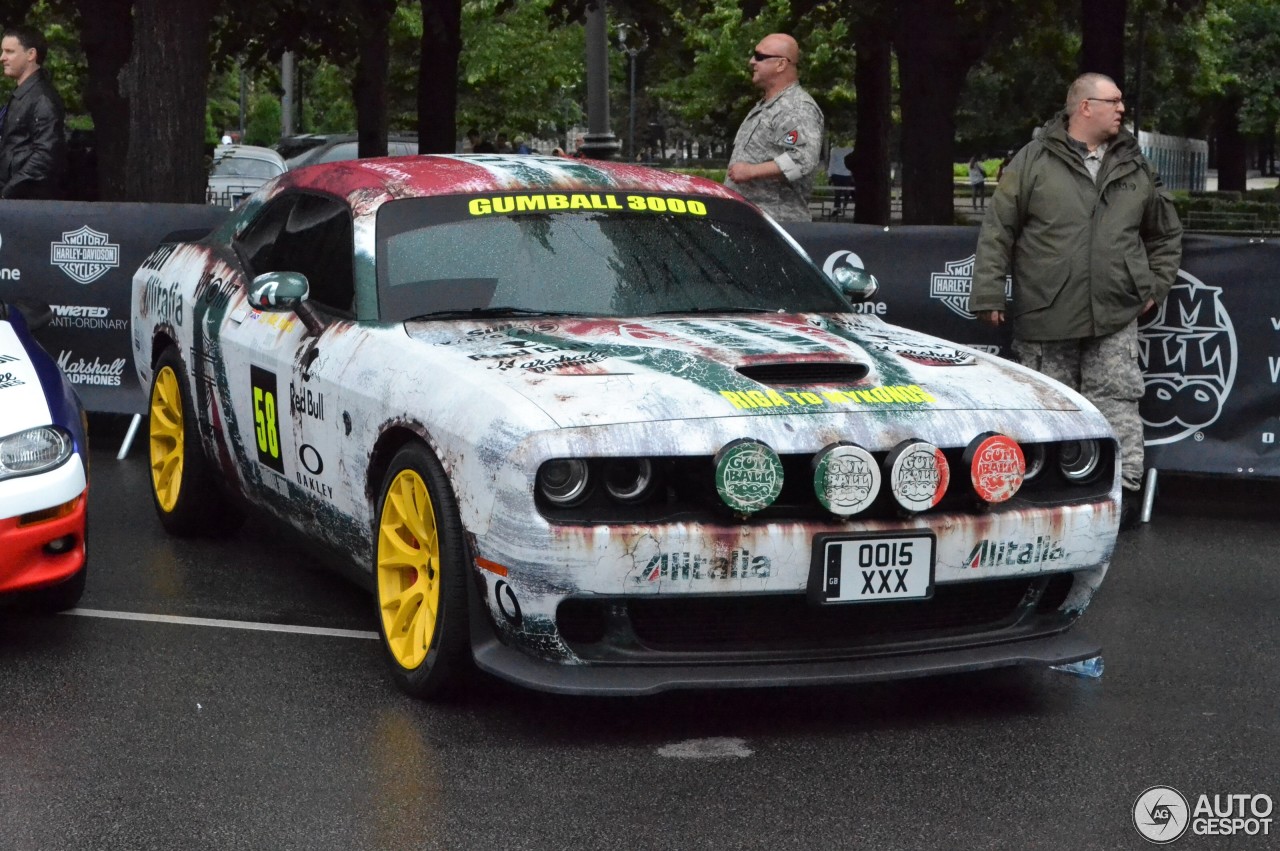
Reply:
x=595, y=428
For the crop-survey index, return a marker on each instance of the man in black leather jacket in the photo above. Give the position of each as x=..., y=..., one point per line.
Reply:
x=33, y=147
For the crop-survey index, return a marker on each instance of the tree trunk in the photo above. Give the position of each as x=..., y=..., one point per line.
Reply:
x=932, y=65
x=872, y=79
x=371, y=79
x=1102, y=38
x=1233, y=157
x=438, y=76
x=107, y=43
x=166, y=83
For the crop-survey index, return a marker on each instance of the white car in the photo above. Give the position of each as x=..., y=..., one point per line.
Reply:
x=598, y=428
x=44, y=471
x=239, y=170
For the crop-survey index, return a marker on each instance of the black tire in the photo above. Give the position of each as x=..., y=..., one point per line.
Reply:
x=429, y=653
x=184, y=490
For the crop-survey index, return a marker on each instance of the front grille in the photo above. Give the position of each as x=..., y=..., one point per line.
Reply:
x=597, y=628
x=686, y=492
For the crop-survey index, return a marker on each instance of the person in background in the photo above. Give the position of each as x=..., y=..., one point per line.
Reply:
x=840, y=176
x=1004, y=163
x=777, y=149
x=473, y=139
x=33, y=146
x=1092, y=240
x=977, y=183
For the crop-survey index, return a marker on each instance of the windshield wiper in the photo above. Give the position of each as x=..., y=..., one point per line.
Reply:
x=717, y=310
x=489, y=312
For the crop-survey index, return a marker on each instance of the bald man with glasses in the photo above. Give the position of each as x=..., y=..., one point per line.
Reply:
x=1081, y=222
x=778, y=147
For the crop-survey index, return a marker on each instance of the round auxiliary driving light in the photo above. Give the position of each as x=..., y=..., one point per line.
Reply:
x=846, y=478
x=1078, y=459
x=748, y=475
x=918, y=474
x=563, y=482
x=996, y=465
x=628, y=479
x=1035, y=455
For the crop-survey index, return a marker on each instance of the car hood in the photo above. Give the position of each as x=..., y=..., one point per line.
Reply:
x=590, y=372
x=22, y=400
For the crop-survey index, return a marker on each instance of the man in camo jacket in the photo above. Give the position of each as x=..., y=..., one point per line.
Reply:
x=777, y=149
x=1091, y=238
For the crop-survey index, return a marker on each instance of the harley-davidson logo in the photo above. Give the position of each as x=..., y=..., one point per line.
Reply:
x=84, y=254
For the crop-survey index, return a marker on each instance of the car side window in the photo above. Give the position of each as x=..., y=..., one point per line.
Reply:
x=311, y=234
x=258, y=241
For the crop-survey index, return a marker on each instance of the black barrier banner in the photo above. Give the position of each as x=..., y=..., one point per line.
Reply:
x=1210, y=354
x=79, y=258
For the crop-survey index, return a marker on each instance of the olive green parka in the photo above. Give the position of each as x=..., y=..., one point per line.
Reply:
x=1085, y=257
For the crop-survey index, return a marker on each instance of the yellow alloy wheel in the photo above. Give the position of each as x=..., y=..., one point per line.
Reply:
x=408, y=566
x=167, y=438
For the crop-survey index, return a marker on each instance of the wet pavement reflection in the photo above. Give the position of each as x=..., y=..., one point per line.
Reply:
x=122, y=734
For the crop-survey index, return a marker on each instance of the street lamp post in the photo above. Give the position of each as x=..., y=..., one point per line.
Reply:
x=600, y=142
x=632, y=33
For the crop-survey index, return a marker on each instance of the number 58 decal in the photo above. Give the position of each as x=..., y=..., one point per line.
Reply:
x=266, y=417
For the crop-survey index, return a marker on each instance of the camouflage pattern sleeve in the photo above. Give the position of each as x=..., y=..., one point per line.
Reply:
x=799, y=126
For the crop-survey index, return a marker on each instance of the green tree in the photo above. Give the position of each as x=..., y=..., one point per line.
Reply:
x=522, y=68
x=710, y=89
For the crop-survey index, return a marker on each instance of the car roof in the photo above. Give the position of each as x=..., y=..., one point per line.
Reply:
x=453, y=174
x=252, y=152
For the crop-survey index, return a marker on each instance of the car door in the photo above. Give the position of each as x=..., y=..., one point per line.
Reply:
x=286, y=434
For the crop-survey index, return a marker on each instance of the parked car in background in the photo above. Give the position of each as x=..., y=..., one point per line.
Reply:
x=238, y=170
x=332, y=149
x=597, y=428
x=292, y=146
x=44, y=470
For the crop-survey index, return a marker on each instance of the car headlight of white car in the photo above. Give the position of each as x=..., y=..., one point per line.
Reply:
x=33, y=451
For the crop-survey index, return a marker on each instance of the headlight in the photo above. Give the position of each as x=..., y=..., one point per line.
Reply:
x=33, y=451
x=1035, y=455
x=628, y=479
x=1078, y=459
x=563, y=482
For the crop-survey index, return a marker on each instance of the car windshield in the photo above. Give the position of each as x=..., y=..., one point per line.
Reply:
x=244, y=167
x=339, y=152
x=589, y=253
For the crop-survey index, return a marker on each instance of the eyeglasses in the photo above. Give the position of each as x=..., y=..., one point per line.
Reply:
x=760, y=57
x=1112, y=101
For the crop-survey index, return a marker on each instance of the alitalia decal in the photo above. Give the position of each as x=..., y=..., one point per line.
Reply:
x=607, y=201
x=910, y=394
x=989, y=553
x=738, y=564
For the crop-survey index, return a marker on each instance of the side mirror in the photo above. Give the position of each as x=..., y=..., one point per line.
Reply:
x=281, y=291
x=36, y=313
x=855, y=284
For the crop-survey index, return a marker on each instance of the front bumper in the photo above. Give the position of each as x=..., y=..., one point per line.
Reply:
x=42, y=529
x=515, y=666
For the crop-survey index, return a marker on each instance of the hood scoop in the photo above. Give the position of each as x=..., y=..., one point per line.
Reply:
x=804, y=373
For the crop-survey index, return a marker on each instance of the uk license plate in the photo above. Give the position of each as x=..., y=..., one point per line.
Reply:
x=867, y=569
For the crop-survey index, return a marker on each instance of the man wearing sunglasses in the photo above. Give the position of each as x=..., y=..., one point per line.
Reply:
x=777, y=149
x=1081, y=221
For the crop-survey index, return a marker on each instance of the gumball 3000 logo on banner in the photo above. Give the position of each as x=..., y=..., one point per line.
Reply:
x=1189, y=357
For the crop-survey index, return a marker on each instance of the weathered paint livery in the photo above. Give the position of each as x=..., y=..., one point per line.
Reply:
x=297, y=421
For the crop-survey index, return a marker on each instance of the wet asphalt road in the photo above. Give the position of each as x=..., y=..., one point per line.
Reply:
x=120, y=734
